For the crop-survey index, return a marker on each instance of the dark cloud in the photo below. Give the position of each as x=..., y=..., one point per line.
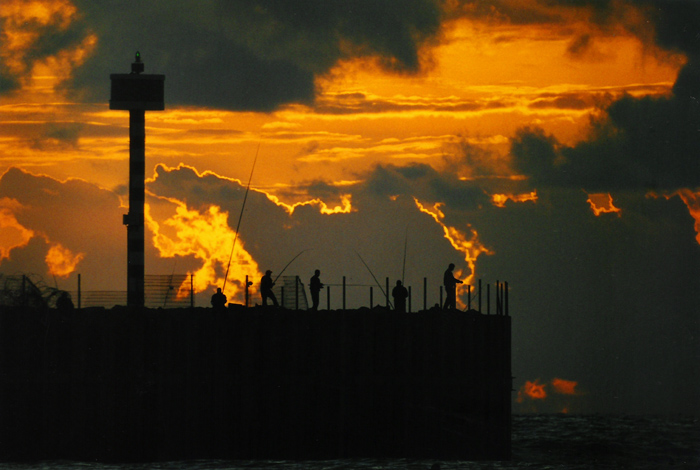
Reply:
x=249, y=55
x=258, y=55
x=646, y=144
x=427, y=184
x=342, y=105
x=676, y=24
x=577, y=101
x=58, y=135
x=602, y=300
x=8, y=80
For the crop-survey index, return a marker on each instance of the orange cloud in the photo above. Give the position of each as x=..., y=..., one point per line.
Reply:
x=62, y=261
x=602, y=203
x=467, y=243
x=535, y=395
x=24, y=23
x=565, y=387
x=12, y=233
x=532, y=390
x=499, y=200
x=206, y=236
x=692, y=201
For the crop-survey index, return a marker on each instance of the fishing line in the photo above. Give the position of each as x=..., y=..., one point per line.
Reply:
x=375, y=279
x=240, y=217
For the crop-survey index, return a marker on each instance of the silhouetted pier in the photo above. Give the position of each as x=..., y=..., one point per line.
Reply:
x=117, y=385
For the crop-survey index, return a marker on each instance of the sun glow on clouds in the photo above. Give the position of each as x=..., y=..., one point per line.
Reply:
x=345, y=206
x=24, y=23
x=12, y=233
x=465, y=243
x=499, y=200
x=692, y=201
x=602, y=203
x=62, y=261
x=207, y=237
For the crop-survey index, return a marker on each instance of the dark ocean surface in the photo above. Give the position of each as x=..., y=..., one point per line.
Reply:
x=539, y=442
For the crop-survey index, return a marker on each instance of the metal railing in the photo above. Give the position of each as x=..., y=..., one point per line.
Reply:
x=177, y=291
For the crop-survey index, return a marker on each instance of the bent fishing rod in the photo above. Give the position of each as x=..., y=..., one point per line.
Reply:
x=240, y=217
x=287, y=265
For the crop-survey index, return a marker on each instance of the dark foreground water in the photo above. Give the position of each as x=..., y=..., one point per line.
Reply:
x=539, y=442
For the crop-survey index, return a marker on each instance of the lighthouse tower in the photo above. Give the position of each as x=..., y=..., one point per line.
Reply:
x=136, y=92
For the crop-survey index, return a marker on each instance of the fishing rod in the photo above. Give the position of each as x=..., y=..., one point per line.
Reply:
x=240, y=217
x=375, y=280
x=405, y=245
x=287, y=265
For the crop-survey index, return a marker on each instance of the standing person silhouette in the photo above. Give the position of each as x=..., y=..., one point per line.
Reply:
x=218, y=300
x=400, y=294
x=315, y=286
x=266, y=284
x=450, y=283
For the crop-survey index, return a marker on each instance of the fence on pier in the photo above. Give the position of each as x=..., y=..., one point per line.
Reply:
x=177, y=291
x=293, y=295
x=160, y=291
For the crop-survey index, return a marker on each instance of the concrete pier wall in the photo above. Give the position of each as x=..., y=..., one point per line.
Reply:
x=112, y=385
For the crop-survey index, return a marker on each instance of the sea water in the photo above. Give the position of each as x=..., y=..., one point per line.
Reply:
x=565, y=442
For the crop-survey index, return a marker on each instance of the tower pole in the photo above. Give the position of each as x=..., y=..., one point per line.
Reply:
x=136, y=92
x=137, y=198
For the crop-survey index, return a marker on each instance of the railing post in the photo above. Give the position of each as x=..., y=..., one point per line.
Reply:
x=488, y=299
x=282, y=295
x=479, y=295
x=79, y=292
x=425, y=293
x=192, y=290
x=469, y=297
x=296, y=292
x=328, y=297
x=498, y=298
x=371, y=297
x=343, y=292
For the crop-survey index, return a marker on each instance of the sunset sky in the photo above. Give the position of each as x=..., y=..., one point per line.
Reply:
x=550, y=144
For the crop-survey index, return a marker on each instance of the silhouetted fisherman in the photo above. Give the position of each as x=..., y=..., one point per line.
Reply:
x=218, y=300
x=315, y=286
x=266, y=285
x=400, y=294
x=450, y=283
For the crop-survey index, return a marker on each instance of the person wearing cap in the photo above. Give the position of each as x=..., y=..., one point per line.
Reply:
x=266, y=284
